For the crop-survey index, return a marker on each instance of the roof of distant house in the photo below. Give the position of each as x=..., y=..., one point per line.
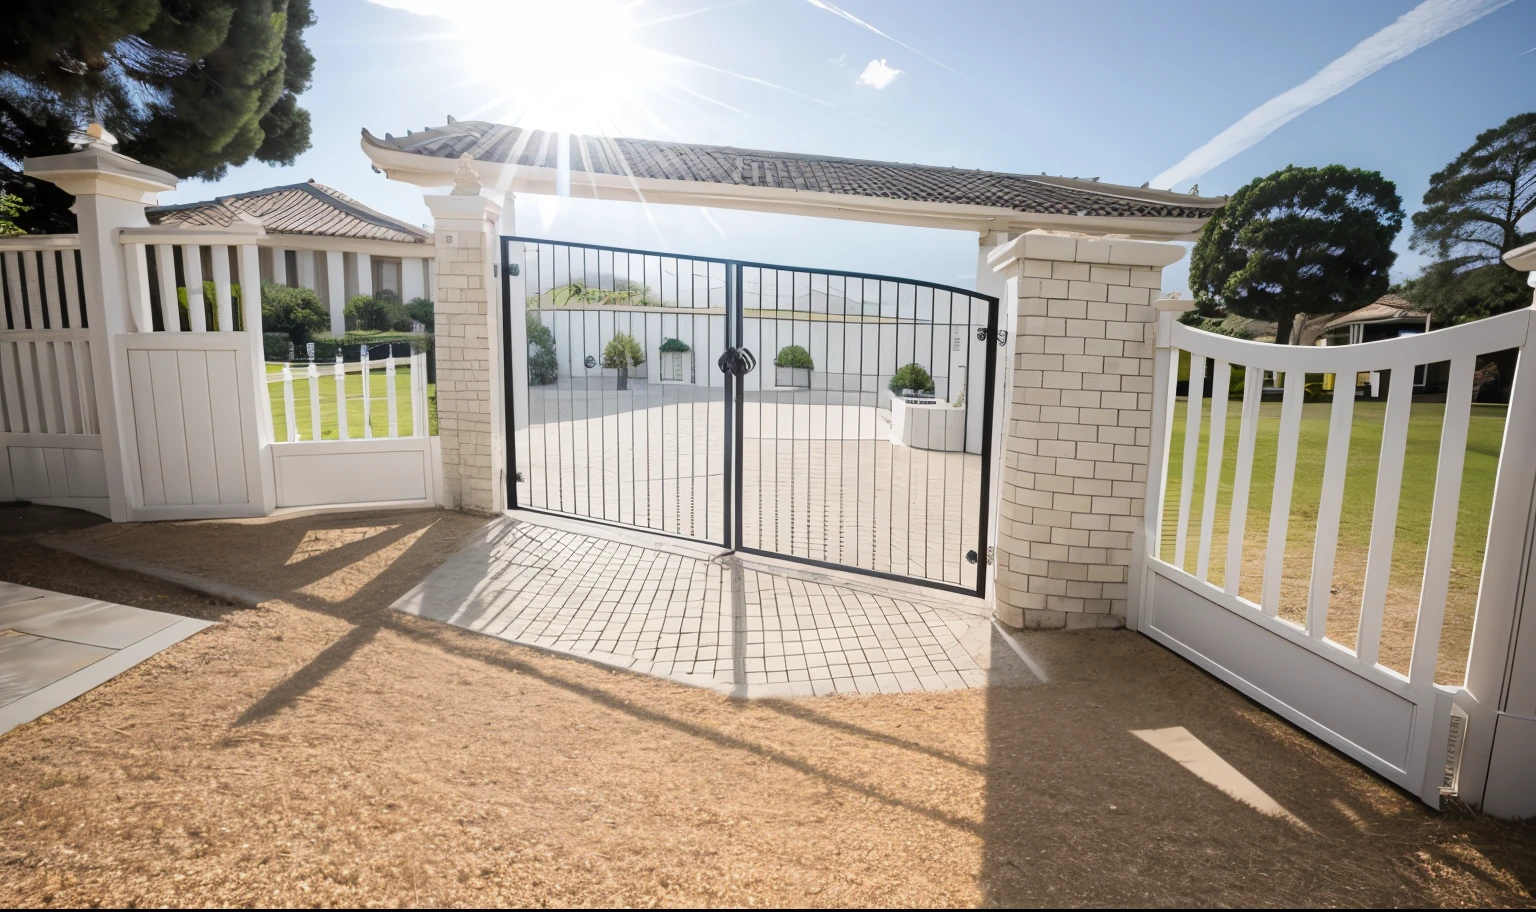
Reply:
x=1386, y=307
x=308, y=208
x=595, y=162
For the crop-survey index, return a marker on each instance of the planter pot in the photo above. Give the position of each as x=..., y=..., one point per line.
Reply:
x=793, y=376
x=927, y=425
x=623, y=378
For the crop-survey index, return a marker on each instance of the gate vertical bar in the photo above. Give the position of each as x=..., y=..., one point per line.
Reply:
x=739, y=328
x=987, y=414
x=732, y=522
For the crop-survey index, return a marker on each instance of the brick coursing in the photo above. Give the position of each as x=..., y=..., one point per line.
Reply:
x=464, y=371
x=1076, y=441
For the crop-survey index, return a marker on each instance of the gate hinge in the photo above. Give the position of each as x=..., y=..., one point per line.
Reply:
x=999, y=336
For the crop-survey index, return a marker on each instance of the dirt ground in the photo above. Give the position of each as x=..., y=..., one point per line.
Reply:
x=322, y=750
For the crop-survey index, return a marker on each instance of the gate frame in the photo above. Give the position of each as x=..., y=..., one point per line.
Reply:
x=735, y=408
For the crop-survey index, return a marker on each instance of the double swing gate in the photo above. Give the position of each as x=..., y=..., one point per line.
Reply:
x=838, y=419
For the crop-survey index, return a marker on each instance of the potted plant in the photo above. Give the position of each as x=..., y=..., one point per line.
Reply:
x=912, y=379
x=622, y=353
x=675, y=361
x=793, y=367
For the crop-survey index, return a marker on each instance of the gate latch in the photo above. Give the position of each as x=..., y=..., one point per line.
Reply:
x=737, y=361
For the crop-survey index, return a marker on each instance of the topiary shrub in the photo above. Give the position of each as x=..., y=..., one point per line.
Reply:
x=794, y=356
x=294, y=311
x=912, y=377
x=380, y=312
x=623, y=353
x=543, y=364
x=675, y=345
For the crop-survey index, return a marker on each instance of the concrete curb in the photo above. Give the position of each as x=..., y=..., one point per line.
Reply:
x=224, y=591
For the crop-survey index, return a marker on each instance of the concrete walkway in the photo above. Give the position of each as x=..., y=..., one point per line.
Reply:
x=706, y=617
x=55, y=647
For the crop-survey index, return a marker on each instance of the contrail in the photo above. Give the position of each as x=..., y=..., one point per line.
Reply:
x=1426, y=23
x=839, y=11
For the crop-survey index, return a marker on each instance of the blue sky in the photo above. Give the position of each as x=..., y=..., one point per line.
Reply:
x=1115, y=89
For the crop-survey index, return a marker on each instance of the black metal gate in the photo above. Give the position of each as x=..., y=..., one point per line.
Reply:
x=833, y=418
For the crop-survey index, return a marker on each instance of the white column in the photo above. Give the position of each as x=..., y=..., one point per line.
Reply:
x=111, y=191
x=304, y=264
x=336, y=282
x=364, y=274
x=279, y=265
x=413, y=278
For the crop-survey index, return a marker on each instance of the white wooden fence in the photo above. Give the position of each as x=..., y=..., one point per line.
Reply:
x=319, y=388
x=1402, y=725
x=50, y=431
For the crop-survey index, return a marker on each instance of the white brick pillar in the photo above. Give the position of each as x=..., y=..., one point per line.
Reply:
x=1077, y=424
x=466, y=297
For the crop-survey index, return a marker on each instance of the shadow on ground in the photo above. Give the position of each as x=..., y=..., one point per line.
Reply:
x=324, y=750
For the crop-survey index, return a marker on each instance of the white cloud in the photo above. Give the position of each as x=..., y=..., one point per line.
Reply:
x=1422, y=25
x=877, y=75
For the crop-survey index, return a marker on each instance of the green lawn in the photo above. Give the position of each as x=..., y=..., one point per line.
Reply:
x=378, y=408
x=1412, y=531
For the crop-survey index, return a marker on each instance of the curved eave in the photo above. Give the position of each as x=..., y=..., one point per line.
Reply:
x=430, y=171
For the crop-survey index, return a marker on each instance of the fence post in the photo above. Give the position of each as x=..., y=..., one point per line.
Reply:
x=367, y=396
x=111, y=191
x=389, y=393
x=341, y=398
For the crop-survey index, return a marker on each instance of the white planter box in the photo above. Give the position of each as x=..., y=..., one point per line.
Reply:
x=936, y=426
x=792, y=376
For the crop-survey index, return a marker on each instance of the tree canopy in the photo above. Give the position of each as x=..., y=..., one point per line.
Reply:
x=1472, y=215
x=1299, y=241
x=190, y=86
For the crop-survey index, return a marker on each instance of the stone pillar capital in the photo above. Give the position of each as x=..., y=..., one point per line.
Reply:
x=1070, y=247
x=98, y=171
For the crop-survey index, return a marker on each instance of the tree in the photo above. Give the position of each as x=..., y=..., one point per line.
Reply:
x=294, y=311
x=191, y=86
x=543, y=365
x=1471, y=217
x=10, y=208
x=622, y=353
x=1300, y=241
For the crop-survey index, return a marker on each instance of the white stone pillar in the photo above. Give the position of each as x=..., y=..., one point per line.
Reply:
x=468, y=340
x=364, y=274
x=413, y=278
x=336, y=285
x=1077, y=425
x=111, y=191
x=279, y=265
x=304, y=265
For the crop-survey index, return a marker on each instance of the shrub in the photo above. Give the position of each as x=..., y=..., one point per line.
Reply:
x=794, y=356
x=277, y=346
x=622, y=352
x=326, y=347
x=675, y=345
x=421, y=310
x=378, y=312
x=543, y=365
x=912, y=377
x=294, y=311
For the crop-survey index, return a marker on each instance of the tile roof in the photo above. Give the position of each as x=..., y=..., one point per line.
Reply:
x=1386, y=307
x=307, y=208
x=677, y=161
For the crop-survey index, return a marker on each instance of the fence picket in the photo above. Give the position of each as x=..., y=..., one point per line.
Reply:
x=389, y=392
x=1285, y=480
x=1442, y=522
x=70, y=280
x=13, y=291
x=1389, y=483
x=223, y=308
x=29, y=396
x=292, y=423
x=69, y=395
x=33, y=288
x=136, y=264
x=1330, y=508
x=165, y=273
x=1194, y=403
x=249, y=266
x=15, y=422
x=192, y=271
x=53, y=301
x=314, y=401
x=1247, y=432
x=90, y=422
x=367, y=398
x=1221, y=383
x=341, y=399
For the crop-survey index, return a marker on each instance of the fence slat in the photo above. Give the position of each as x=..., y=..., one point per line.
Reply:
x=420, y=423
x=249, y=265
x=90, y=422
x=367, y=398
x=1389, y=483
x=15, y=422
x=135, y=260
x=29, y=394
x=389, y=392
x=192, y=271
x=1335, y=470
x=1247, y=433
x=341, y=399
x=1194, y=404
x=53, y=301
x=1442, y=522
x=292, y=422
x=165, y=274
x=70, y=280
x=13, y=291
x=314, y=401
x=29, y=279
x=223, y=308
x=1285, y=480
x=1221, y=383
x=69, y=394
